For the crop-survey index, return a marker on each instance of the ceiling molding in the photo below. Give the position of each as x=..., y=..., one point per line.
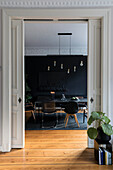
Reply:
x=55, y=3
x=54, y=51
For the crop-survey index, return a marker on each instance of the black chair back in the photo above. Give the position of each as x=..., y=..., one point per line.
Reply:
x=29, y=106
x=49, y=107
x=71, y=108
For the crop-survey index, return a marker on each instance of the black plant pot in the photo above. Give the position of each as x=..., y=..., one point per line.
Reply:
x=102, y=137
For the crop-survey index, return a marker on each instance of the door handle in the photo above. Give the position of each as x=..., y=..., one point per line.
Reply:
x=91, y=100
x=19, y=100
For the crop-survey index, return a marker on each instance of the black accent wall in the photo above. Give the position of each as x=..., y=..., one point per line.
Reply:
x=41, y=81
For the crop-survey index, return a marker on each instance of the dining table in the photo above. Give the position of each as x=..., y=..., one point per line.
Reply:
x=61, y=103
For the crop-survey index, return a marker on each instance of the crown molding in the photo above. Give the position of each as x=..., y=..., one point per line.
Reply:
x=54, y=51
x=55, y=3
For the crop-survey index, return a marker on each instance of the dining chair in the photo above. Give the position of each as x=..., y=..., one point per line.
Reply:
x=83, y=108
x=71, y=109
x=49, y=108
x=29, y=111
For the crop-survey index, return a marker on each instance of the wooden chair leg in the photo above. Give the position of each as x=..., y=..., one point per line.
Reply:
x=33, y=115
x=76, y=120
x=67, y=120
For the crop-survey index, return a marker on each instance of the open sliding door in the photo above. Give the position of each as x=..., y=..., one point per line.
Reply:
x=17, y=38
x=94, y=77
x=94, y=69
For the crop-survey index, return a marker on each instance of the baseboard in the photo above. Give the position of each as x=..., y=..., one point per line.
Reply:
x=17, y=146
x=13, y=146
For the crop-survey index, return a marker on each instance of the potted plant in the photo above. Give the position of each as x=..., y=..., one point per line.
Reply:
x=103, y=131
x=28, y=95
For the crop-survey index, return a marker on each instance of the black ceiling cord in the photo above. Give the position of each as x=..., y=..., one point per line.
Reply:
x=65, y=33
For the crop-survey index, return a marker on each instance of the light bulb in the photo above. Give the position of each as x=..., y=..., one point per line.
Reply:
x=68, y=71
x=61, y=66
x=75, y=68
x=81, y=63
x=54, y=63
x=48, y=68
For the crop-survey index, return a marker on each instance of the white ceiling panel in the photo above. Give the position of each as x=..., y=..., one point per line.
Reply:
x=45, y=35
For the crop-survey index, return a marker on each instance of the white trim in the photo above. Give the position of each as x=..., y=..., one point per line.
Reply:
x=55, y=3
x=6, y=79
x=109, y=61
x=9, y=14
x=0, y=148
x=105, y=63
x=94, y=74
x=23, y=85
x=49, y=51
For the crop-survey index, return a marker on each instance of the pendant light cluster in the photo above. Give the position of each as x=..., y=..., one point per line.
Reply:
x=62, y=65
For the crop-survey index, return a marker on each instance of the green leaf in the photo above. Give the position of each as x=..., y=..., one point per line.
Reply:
x=107, y=129
x=106, y=119
x=92, y=133
x=100, y=113
x=95, y=115
x=91, y=119
x=27, y=88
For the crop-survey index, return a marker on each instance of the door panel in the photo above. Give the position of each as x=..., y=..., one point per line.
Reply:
x=17, y=84
x=94, y=69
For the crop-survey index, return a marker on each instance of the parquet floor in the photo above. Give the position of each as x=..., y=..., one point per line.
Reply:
x=52, y=150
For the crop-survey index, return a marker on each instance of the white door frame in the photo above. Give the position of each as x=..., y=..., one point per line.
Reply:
x=9, y=14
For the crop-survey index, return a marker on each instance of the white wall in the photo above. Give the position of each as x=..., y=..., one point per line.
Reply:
x=111, y=72
x=0, y=75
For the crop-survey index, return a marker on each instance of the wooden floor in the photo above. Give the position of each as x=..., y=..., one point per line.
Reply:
x=52, y=150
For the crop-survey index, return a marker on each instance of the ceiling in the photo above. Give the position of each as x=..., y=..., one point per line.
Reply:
x=45, y=35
